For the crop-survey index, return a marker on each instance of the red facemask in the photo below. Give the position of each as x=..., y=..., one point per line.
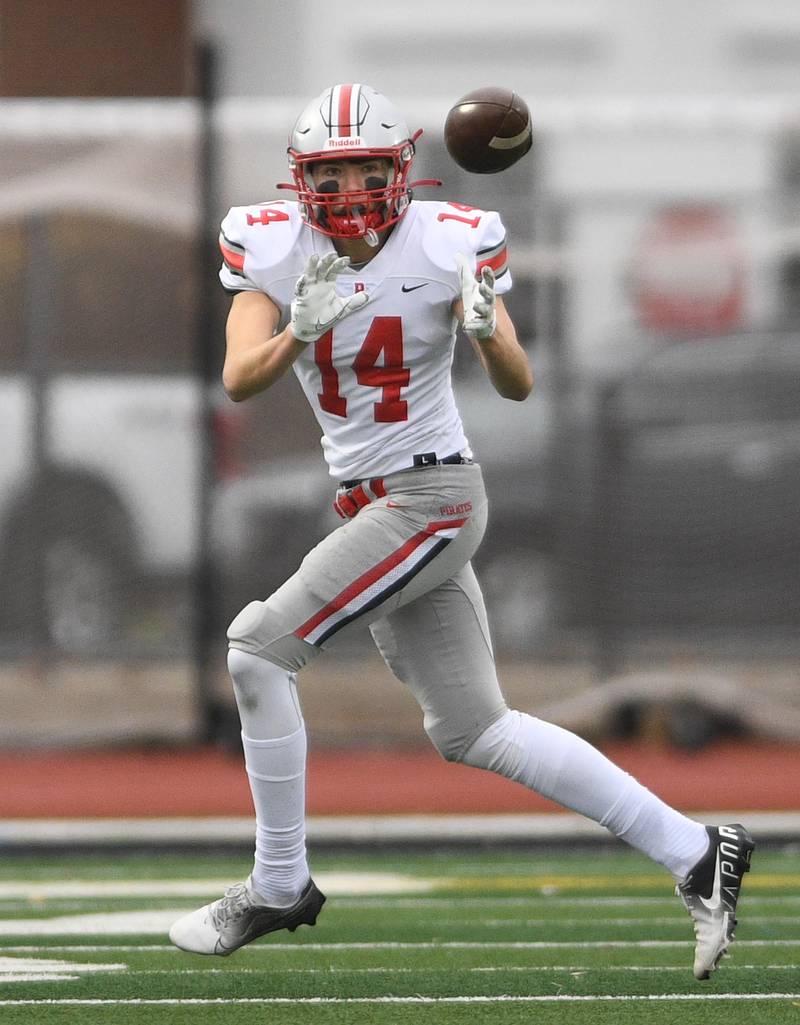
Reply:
x=363, y=213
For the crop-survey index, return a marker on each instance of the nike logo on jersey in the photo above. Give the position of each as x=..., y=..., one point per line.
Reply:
x=413, y=288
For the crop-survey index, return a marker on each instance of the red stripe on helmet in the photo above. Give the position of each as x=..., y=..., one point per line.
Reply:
x=344, y=109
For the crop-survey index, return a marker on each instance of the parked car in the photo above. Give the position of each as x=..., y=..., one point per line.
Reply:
x=676, y=489
x=101, y=420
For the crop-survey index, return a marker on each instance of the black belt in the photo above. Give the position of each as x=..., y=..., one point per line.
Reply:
x=421, y=461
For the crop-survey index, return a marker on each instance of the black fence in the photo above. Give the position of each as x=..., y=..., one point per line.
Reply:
x=656, y=510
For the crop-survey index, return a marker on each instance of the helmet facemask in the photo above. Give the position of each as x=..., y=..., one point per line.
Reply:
x=352, y=122
x=354, y=214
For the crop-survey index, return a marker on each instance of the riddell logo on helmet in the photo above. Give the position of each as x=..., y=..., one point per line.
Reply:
x=344, y=142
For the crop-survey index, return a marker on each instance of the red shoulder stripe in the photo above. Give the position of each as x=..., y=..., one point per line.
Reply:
x=497, y=263
x=235, y=261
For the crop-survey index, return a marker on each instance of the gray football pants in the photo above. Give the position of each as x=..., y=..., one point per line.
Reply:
x=402, y=567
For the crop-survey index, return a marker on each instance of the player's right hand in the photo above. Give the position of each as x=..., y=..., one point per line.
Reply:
x=316, y=306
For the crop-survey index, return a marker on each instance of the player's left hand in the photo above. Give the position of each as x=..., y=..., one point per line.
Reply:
x=478, y=297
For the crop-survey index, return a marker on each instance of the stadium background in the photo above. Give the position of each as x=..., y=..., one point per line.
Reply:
x=641, y=565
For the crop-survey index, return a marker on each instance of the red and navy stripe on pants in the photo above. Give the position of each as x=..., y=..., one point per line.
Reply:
x=381, y=581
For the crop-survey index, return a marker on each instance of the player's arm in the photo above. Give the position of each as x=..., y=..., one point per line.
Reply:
x=255, y=356
x=485, y=319
x=503, y=358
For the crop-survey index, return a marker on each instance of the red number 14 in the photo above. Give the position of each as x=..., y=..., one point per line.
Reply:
x=385, y=336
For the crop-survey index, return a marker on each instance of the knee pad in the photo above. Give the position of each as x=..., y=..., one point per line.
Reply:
x=449, y=747
x=497, y=748
x=266, y=696
x=260, y=630
x=456, y=744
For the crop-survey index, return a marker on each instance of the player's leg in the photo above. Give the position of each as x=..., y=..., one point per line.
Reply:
x=279, y=894
x=382, y=558
x=274, y=743
x=439, y=646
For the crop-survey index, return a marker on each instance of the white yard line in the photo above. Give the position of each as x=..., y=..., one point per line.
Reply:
x=117, y=923
x=39, y=978
x=142, y=922
x=266, y=948
x=679, y=920
x=536, y=901
x=328, y=969
x=388, y=970
x=89, y=948
x=20, y=964
x=390, y=886
x=40, y=969
x=352, y=829
x=503, y=999
x=331, y=883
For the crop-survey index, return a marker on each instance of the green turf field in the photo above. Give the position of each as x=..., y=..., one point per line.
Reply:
x=502, y=937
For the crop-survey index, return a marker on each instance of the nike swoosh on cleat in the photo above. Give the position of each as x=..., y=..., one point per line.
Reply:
x=412, y=288
x=714, y=902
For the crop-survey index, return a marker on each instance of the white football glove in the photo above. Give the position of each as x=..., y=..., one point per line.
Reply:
x=316, y=306
x=480, y=319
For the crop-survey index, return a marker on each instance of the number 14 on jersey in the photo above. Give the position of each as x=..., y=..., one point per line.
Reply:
x=385, y=337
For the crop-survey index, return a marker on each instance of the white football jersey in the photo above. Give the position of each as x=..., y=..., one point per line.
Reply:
x=379, y=381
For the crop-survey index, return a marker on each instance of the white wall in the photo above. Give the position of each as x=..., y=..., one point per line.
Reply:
x=636, y=104
x=540, y=47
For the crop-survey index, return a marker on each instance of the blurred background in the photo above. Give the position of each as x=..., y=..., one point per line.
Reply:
x=641, y=566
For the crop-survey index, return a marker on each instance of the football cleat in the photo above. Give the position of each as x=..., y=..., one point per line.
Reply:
x=710, y=893
x=239, y=917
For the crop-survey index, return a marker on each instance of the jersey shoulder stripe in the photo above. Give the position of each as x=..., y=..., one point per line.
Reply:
x=495, y=257
x=232, y=254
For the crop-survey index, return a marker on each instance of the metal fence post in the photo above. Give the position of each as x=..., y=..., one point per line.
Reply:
x=607, y=574
x=206, y=592
x=40, y=327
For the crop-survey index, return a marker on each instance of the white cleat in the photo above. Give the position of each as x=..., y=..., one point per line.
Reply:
x=711, y=891
x=239, y=917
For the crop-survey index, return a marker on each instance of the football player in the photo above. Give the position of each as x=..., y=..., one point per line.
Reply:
x=359, y=289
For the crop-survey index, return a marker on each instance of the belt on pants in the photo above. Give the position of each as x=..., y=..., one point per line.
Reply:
x=355, y=494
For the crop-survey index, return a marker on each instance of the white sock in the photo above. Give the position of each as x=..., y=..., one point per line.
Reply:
x=561, y=766
x=274, y=741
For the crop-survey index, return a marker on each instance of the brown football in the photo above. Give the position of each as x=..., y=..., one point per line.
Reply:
x=488, y=130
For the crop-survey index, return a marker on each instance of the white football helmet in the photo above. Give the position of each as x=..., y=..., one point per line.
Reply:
x=346, y=122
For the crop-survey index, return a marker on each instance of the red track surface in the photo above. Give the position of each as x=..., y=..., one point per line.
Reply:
x=152, y=783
